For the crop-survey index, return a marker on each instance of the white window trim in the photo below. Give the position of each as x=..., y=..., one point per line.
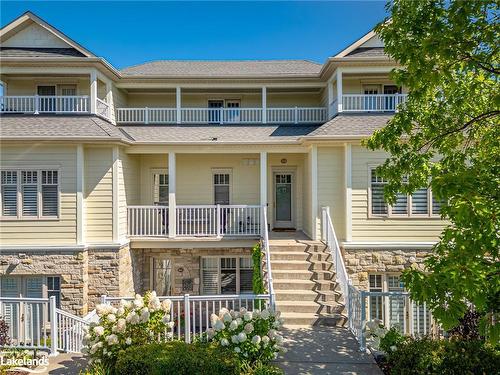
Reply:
x=152, y=173
x=238, y=286
x=39, y=217
x=390, y=214
x=58, y=85
x=212, y=185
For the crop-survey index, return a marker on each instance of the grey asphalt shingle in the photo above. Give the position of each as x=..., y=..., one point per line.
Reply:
x=57, y=127
x=368, y=52
x=224, y=68
x=21, y=52
x=355, y=124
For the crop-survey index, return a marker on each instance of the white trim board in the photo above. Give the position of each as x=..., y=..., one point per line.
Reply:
x=386, y=245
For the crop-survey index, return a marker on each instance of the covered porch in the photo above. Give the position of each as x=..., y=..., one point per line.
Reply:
x=186, y=195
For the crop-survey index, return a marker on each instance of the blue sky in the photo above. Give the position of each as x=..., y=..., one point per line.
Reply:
x=128, y=33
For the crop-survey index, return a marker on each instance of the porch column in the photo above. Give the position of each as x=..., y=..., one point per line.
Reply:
x=109, y=100
x=93, y=91
x=264, y=105
x=330, y=108
x=313, y=164
x=178, y=103
x=172, y=217
x=263, y=180
x=339, y=90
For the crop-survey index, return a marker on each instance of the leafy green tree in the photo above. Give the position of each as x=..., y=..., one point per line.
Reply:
x=447, y=136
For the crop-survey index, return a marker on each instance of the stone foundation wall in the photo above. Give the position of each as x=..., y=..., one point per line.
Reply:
x=360, y=263
x=186, y=265
x=71, y=266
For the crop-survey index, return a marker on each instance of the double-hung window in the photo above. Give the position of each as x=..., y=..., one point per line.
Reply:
x=419, y=204
x=226, y=275
x=29, y=193
x=160, y=186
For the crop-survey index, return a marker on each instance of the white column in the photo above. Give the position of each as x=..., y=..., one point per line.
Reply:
x=110, y=101
x=172, y=215
x=93, y=91
x=313, y=164
x=264, y=105
x=115, y=197
x=339, y=90
x=348, y=191
x=330, y=98
x=263, y=178
x=80, y=216
x=178, y=103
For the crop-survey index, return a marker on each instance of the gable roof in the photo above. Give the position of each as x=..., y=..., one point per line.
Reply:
x=27, y=19
x=190, y=68
x=39, y=52
x=366, y=46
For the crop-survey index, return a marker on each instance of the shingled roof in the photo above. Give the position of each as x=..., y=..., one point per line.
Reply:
x=55, y=127
x=39, y=52
x=181, y=68
x=368, y=52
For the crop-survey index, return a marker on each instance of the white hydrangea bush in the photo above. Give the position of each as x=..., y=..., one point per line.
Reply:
x=141, y=321
x=251, y=335
x=375, y=331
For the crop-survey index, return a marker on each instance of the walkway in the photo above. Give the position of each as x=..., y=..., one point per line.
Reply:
x=324, y=351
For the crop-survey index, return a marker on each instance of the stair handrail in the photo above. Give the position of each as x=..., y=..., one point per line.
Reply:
x=267, y=253
x=330, y=238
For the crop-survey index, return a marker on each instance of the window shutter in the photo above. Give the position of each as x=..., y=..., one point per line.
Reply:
x=30, y=193
x=419, y=202
x=50, y=199
x=246, y=275
x=379, y=207
x=210, y=276
x=9, y=193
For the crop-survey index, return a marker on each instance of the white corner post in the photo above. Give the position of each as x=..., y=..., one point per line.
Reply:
x=313, y=160
x=178, y=104
x=263, y=185
x=348, y=191
x=172, y=217
x=330, y=98
x=187, y=319
x=93, y=92
x=264, y=105
x=339, y=90
x=80, y=217
x=54, y=334
x=115, y=198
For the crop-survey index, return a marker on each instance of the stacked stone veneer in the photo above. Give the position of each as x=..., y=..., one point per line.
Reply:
x=360, y=263
x=88, y=274
x=186, y=265
x=85, y=274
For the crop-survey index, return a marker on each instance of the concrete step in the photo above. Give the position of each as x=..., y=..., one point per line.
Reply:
x=295, y=255
x=310, y=319
x=309, y=307
x=297, y=248
x=302, y=274
x=305, y=295
x=301, y=265
x=298, y=284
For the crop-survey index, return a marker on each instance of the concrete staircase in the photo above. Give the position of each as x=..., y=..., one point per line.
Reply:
x=304, y=284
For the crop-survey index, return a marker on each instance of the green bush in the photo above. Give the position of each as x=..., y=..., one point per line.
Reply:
x=443, y=357
x=257, y=282
x=176, y=358
x=260, y=368
x=392, y=339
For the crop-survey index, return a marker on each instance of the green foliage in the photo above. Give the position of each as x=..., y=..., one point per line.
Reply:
x=392, y=339
x=257, y=281
x=176, y=358
x=96, y=369
x=260, y=368
x=447, y=136
x=443, y=357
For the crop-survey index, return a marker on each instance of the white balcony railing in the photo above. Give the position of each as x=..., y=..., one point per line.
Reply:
x=195, y=221
x=44, y=104
x=103, y=109
x=369, y=103
x=292, y=115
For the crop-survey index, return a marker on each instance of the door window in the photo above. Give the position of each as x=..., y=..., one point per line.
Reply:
x=162, y=276
x=283, y=197
x=47, y=98
x=233, y=113
x=221, y=188
x=214, y=112
x=390, y=99
x=370, y=101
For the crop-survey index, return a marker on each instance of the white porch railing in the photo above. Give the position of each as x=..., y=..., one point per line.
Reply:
x=218, y=220
x=36, y=323
x=266, y=266
x=292, y=115
x=191, y=314
x=147, y=221
x=44, y=104
x=103, y=109
x=375, y=103
x=296, y=115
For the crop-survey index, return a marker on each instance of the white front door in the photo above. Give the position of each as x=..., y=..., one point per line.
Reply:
x=283, y=199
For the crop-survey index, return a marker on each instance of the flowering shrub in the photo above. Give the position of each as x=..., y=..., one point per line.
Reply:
x=383, y=339
x=252, y=335
x=375, y=331
x=141, y=321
